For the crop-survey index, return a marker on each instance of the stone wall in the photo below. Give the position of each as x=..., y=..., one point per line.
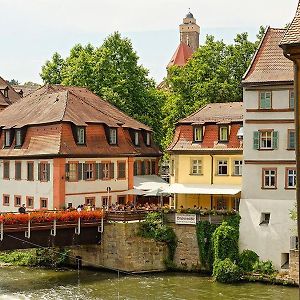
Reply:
x=294, y=265
x=122, y=249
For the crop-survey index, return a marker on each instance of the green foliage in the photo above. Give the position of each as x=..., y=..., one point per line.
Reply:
x=226, y=271
x=154, y=228
x=264, y=267
x=225, y=242
x=204, y=232
x=41, y=257
x=112, y=72
x=233, y=220
x=247, y=260
x=13, y=82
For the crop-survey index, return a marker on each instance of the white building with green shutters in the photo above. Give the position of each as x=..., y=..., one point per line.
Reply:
x=269, y=170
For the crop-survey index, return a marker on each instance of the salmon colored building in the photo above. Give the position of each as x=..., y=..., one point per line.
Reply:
x=206, y=158
x=65, y=146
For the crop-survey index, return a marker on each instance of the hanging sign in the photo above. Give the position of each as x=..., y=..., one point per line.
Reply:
x=185, y=219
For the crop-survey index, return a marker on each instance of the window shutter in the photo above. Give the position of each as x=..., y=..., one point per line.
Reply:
x=256, y=136
x=97, y=175
x=48, y=172
x=39, y=171
x=101, y=175
x=80, y=171
x=67, y=171
x=112, y=170
x=275, y=139
x=84, y=171
x=262, y=101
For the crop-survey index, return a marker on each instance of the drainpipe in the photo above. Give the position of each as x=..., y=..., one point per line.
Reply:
x=297, y=130
x=211, y=179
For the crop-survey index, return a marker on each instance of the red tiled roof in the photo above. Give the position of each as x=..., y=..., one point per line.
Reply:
x=55, y=103
x=292, y=34
x=269, y=64
x=181, y=55
x=216, y=113
x=13, y=96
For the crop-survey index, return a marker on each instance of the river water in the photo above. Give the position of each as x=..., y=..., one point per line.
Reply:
x=39, y=284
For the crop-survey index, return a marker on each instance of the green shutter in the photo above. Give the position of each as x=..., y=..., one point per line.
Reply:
x=256, y=137
x=48, y=172
x=39, y=171
x=67, y=171
x=262, y=103
x=292, y=142
x=101, y=175
x=275, y=139
x=97, y=175
x=80, y=171
x=268, y=101
x=84, y=171
x=112, y=170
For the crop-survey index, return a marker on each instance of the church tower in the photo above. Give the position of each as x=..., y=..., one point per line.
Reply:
x=189, y=32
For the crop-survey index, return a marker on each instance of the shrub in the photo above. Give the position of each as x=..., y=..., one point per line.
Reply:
x=247, y=260
x=226, y=271
x=264, y=267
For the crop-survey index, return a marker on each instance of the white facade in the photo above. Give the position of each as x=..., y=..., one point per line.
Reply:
x=266, y=203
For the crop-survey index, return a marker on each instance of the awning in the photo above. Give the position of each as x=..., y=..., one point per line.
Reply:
x=149, y=183
x=132, y=192
x=202, y=189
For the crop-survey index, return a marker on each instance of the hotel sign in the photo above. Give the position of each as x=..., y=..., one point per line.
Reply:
x=185, y=219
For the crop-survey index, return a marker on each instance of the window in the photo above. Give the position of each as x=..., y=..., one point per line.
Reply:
x=222, y=167
x=89, y=171
x=136, y=138
x=237, y=167
x=72, y=171
x=29, y=202
x=143, y=167
x=18, y=169
x=18, y=138
x=7, y=138
x=80, y=135
x=290, y=181
x=6, y=200
x=108, y=169
x=43, y=203
x=106, y=201
x=198, y=134
x=148, y=138
x=269, y=179
x=265, y=100
x=90, y=201
x=196, y=167
x=136, y=168
x=265, y=219
x=292, y=99
x=291, y=139
x=6, y=170
x=121, y=170
x=30, y=169
x=265, y=140
x=223, y=133
x=44, y=171
x=121, y=200
x=153, y=167
x=18, y=201
x=113, y=136
x=148, y=167
x=172, y=167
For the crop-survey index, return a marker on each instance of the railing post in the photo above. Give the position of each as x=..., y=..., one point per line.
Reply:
x=101, y=227
x=53, y=230
x=1, y=231
x=77, y=229
x=27, y=233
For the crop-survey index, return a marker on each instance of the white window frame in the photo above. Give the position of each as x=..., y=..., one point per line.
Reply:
x=221, y=133
x=80, y=135
x=73, y=171
x=18, y=137
x=291, y=172
x=89, y=171
x=136, y=138
x=113, y=136
x=291, y=99
x=196, y=166
x=106, y=171
x=44, y=171
x=198, y=134
x=268, y=174
x=7, y=141
x=264, y=137
x=237, y=165
x=222, y=163
x=148, y=139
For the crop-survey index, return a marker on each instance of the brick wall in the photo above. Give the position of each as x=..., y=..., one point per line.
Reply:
x=294, y=265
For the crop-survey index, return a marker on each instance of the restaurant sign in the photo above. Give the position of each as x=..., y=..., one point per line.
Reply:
x=185, y=219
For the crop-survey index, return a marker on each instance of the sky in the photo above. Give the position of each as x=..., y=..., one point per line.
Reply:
x=32, y=30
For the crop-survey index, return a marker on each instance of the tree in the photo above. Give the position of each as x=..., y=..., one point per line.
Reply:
x=13, y=82
x=112, y=72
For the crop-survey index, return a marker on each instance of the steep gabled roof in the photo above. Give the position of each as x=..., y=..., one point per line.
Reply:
x=216, y=113
x=13, y=96
x=292, y=34
x=269, y=65
x=55, y=103
x=181, y=55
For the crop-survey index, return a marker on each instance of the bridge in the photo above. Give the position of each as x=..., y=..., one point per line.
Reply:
x=50, y=229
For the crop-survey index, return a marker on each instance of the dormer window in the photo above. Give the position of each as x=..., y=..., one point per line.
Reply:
x=198, y=134
x=7, y=138
x=80, y=135
x=113, y=136
x=18, y=137
x=4, y=91
x=148, y=138
x=223, y=133
x=136, y=138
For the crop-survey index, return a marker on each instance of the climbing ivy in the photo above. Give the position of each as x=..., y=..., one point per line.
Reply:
x=153, y=227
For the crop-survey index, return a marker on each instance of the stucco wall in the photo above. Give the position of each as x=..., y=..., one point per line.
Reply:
x=294, y=265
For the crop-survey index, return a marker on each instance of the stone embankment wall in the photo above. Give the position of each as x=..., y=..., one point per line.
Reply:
x=123, y=250
x=294, y=265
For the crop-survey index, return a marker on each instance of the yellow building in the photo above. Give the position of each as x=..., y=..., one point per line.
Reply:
x=206, y=158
